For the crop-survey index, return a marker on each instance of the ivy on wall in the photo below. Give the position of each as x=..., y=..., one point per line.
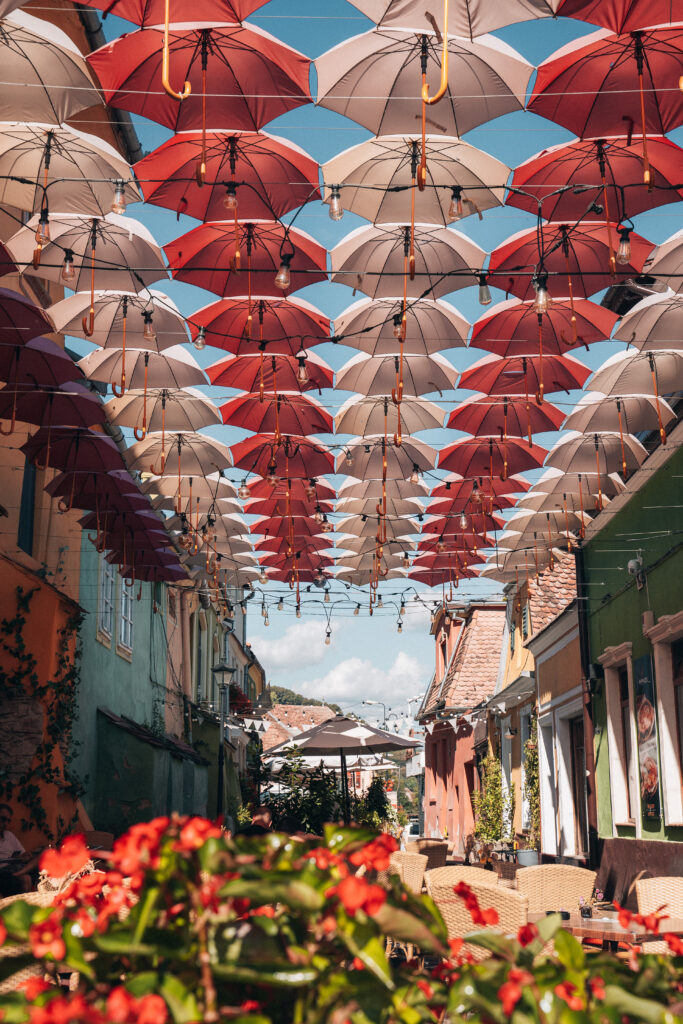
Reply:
x=532, y=790
x=58, y=698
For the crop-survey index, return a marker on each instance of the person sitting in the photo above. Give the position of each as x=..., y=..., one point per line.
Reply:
x=15, y=863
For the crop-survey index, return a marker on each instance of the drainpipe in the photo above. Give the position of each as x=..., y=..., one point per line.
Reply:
x=588, y=723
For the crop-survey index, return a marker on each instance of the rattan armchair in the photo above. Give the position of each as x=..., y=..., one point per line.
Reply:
x=435, y=850
x=411, y=869
x=34, y=970
x=454, y=873
x=555, y=887
x=512, y=911
x=653, y=893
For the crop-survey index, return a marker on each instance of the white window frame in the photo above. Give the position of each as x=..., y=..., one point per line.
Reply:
x=623, y=783
x=106, y=598
x=662, y=635
x=547, y=784
x=125, y=617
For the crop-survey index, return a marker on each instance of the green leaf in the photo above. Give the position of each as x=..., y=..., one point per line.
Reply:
x=363, y=941
x=181, y=1002
x=272, y=974
x=494, y=941
x=145, y=911
x=143, y=983
x=548, y=927
x=294, y=893
x=569, y=950
x=639, y=1009
x=339, y=838
x=402, y=925
x=14, y=1009
x=74, y=954
x=18, y=917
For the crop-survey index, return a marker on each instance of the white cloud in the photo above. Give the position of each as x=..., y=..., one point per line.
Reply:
x=301, y=645
x=356, y=679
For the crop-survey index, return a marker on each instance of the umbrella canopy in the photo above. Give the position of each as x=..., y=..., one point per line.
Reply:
x=555, y=521
x=175, y=409
x=279, y=542
x=21, y=319
x=249, y=373
x=292, y=456
x=463, y=526
x=368, y=506
x=431, y=325
x=269, y=176
x=113, y=309
x=372, y=78
x=141, y=369
x=367, y=560
x=465, y=504
x=639, y=373
x=630, y=413
x=466, y=18
x=619, y=15
x=67, y=162
x=373, y=260
x=490, y=456
x=211, y=485
x=581, y=257
x=125, y=253
x=194, y=506
x=365, y=489
x=151, y=12
x=278, y=507
x=394, y=527
x=591, y=85
x=513, y=328
x=73, y=448
x=519, y=375
x=603, y=452
x=289, y=413
x=284, y=326
x=262, y=77
x=360, y=415
x=602, y=166
x=88, y=490
x=70, y=405
x=187, y=453
x=588, y=484
x=301, y=490
x=654, y=323
x=666, y=262
x=279, y=527
x=376, y=179
x=367, y=543
x=365, y=456
x=377, y=375
x=259, y=243
x=481, y=490
x=539, y=501
x=437, y=577
x=46, y=77
x=511, y=416
x=38, y=361
x=301, y=559
x=348, y=735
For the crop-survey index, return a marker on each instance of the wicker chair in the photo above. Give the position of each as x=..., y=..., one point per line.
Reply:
x=454, y=873
x=512, y=912
x=653, y=893
x=435, y=849
x=411, y=869
x=555, y=887
x=35, y=970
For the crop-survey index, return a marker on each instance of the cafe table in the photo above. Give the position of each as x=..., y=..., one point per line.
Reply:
x=605, y=928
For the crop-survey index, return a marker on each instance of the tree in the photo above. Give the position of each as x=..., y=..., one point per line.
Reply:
x=282, y=695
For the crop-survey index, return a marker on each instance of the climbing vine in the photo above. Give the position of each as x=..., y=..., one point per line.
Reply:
x=59, y=700
x=532, y=786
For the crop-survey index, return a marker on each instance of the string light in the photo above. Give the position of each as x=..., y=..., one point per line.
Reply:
x=43, y=229
x=328, y=636
x=298, y=611
x=302, y=373
x=283, y=276
x=406, y=561
x=415, y=475
x=280, y=605
x=542, y=300
x=356, y=610
x=118, y=203
x=327, y=596
x=263, y=577
x=336, y=210
x=399, y=626
x=272, y=477
x=148, y=331
x=310, y=489
x=318, y=515
x=243, y=491
x=200, y=340
x=399, y=329
x=463, y=520
x=484, y=290
x=230, y=197
x=455, y=209
x=327, y=526
x=380, y=602
x=624, y=250
x=266, y=621
x=68, y=269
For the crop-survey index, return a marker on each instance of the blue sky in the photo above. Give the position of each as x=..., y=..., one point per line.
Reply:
x=366, y=657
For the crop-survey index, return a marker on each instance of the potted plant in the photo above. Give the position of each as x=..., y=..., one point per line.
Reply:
x=530, y=855
x=586, y=905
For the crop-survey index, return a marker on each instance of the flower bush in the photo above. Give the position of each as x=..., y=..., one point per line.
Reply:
x=187, y=924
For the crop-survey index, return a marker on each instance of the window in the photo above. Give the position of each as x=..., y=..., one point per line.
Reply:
x=27, y=509
x=525, y=621
x=677, y=666
x=126, y=615
x=105, y=612
x=627, y=739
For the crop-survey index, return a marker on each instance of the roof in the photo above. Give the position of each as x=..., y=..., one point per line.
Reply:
x=552, y=593
x=286, y=721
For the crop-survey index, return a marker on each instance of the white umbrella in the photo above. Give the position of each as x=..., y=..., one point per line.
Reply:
x=361, y=543
x=366, y=415
x=181, y=453
x=394, y=527
x=81, y=172
x=654, y=323
x=45, y=76
x=666, y=262
x=465, y=17
x=229, y=532
x=639, y=373
x=372, y=260
x=212, y=485
x=174, y=368
x=536, y=538
x=605, y=452
x=376, y=375
x=368, y=454
x=375, y=79
x=366, y=560
x=192, y=504
x=527, y=520
x=152, y=320
x=165, y=408
x=630, y=413
x=376, y=178
x=540, y=501
x=373, y=489
x=584, y=485
x=362, y=577
x=431, y=325
x=368, y=506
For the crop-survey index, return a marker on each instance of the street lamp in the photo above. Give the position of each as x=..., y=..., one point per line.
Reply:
x=381, y=704
x=222, y=673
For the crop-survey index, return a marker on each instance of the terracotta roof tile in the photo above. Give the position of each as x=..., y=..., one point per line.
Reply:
x=474, y=669
x=287, y=720
x=553, y=592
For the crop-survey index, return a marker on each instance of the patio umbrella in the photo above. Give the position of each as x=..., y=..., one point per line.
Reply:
x=375, y=260
x=368, y=506
x=556, y=501
x=194, y=506
x=438, y=577
x=604, y=452
x=619, y=15
x=174, y=409
x=46, y=76
x=71, y=171
x=372, y=78
x=367, y=560
x=39, y=362
x=284, y=326
x=510, y=416
x=524, y=375
x=366, y=489
x=211, y=485
x=272, y=373
x=255, y=174
x=576, y=259
x=302, y=559
x=490, y=456
x=371, y=325
x=21, y=319
x=554, y=521
x=245, y=257
x=641, y=373
x=148, y=319
x=377, y=375
x=369, y=454
x=180, y=454
x=362, y=544
x=217, y=66
x=73, y=448
x=302, y=490
x=291, y=456
x=666, y=262
x=376, y=180
x=594, y=170
x=653, y=324
x=370, y=415
x=68, y=405
x=288, y=413
x=513, y=328
x=466, y=18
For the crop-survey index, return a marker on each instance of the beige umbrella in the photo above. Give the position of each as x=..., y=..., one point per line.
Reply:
x=527, y=561
x=368, y=456
x=375, y=260
x=146, y=320
x=666, y=262
x=194, y=505
x=585, y=491
x=466, y=18
x=374, y=326
x=211, y=485
x=366, y=560
x=166, y=409
x=539, y=501
x=45, y=76
x=368, y=507
x=359, y=544
x=556, y=521
x=641, y=373
x=361, y=415
x=377, y=375
x=395, y=528
x=375, y=179
x=77, y=173
x=229, y=531
x=630, y=413
x=654, y=323
x=535, y=539
x=606, y=452
x=365, y=489
x=375, y=79
x=362, y=577
x=179, y=454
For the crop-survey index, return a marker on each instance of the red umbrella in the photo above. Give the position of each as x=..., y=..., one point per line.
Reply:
x=577, y=259
x=294, y=456
x=437, y=577
x=308, y=561
x=39, y=362
x=151, y=12
x=619, y=15
x=459, y=561
x=509, y=415
x=20, y=319
x=456, y=506
x=73, y=448
x=490, y=456
x=259, y=175
x=462, y=544
x=278, y=507
x=522, y=375
x=514, y=328
x=295, y=576
x=88, y=490
x=299, y=490
x=479, y=491
x=596, y=168
x=285, y=326
x=279, y=543
x=238, y=259
x=272, y=373
x=70, y=405
x=288, y=413
x=279, y=526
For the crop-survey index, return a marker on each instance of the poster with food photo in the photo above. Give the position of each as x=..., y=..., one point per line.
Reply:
x=646, y=723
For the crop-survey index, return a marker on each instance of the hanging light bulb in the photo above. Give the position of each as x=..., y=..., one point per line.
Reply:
x=272, y=477
x=399, y=327
x=327, y=596
x=310, y=489
x=243, y=491
x=349, y=457
x=280, y=605
x=403, y=606
x=319, y=578
x=336, y=210
x=148, y=332
x=447, y=618
x=624, y=250
x=298, y=611
x=263, y=578
x=440, y=546
x=380, y=603
x=484, y=290
x=399, y=626
x=318, y=515
x=210, y=531
x=463, y=520
x=43, y=229
x=327, y=526
x=283, y=276
x=200, y=340
x=328, y=637
x=406, y=561
x=356, y=610
x=302, y=373
x=68, y=269
x=266, y=621
x=476, y=493
x=230, y=197
x=415, y=475
x=542, y=300
x=455, y=209
x=118, y=203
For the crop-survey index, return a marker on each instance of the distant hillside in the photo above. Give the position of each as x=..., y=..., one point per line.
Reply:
x=281, y=695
